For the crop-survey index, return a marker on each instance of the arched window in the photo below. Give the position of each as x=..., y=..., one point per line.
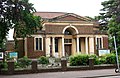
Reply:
x=68, y=32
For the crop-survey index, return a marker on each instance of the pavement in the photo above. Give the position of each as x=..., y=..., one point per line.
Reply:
x=104, y=73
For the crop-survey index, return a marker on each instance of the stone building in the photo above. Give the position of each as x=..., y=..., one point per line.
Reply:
x=64, y=34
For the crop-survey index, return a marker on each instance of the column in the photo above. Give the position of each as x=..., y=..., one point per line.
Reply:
x=77, y=44
x=53, y=46
x=60, y=47
x=91, y=43
x=74, y=46
x=63, y=49
x=25, y=47
x=47, y=46
x=86, y=44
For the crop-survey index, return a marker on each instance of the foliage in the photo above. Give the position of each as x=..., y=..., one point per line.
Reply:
x=3, y=64
x=84, y=59
x=102, y=60
x=43, y=60
x=114, y=30
x=110, y=20
x=23, y=62
x=92, y=18
x=110, y=59
x=17, y=14
x=79, y=60
x=110, y=9
x=96, y=59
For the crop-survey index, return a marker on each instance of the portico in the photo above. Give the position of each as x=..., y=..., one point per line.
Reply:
x=70, y=43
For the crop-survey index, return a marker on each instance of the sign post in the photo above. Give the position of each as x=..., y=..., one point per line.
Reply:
x=118, y=70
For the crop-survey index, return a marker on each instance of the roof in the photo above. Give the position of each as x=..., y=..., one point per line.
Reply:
x=57, y=15
x=49, y=15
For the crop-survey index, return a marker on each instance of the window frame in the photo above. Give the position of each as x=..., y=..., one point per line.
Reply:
x=99, y=43
x=39, y=38
x=56, y=45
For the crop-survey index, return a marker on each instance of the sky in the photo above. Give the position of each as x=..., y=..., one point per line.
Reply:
x=81, y=7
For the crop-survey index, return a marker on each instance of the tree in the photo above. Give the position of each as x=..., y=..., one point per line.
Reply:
x=17, y=14
x=110, y=19
x=92, y=18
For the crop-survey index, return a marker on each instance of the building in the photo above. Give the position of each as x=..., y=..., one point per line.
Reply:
x=64, y=34
x=10, y=45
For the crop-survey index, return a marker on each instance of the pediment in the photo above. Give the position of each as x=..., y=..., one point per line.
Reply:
x=71, y=17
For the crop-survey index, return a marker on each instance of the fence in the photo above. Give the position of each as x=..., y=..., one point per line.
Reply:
x=34, y=68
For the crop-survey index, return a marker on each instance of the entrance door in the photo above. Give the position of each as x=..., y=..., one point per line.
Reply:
x=67, y=49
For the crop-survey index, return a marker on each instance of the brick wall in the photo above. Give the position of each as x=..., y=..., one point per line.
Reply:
x=105, y=42
x=81, y=29
x=10, y=45
x=20, y=48
x=30, y=49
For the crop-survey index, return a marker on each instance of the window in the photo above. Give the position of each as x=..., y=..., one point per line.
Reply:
x=99, y=43
x=38, y=44
x=68, y=32
x=68, y=41
x=79, y=44
x=56, y=44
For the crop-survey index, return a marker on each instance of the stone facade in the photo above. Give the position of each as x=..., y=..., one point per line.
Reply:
x=65, y=34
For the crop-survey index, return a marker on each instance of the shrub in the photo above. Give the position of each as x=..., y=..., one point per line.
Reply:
x=96, y=59
x=3, y=65
x=102, y=60
x=110, y=58
x=43, y=60
x=79, y=60
x=23, y=62
x=83, y=59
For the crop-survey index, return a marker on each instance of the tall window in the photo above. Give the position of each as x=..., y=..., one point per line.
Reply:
x=79, y=44
x=99, y=43
x=56, y=44
x=38, y=44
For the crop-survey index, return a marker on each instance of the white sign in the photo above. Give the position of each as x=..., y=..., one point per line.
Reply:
x=1, y=55
x=103, y=52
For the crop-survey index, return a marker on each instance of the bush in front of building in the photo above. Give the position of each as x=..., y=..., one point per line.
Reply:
x=110, y=58
x=79, y=60
x=43, y=60
x=3, y=65
x=96, y=59
x=84, y=59
x=102, y=60
x=23, y=62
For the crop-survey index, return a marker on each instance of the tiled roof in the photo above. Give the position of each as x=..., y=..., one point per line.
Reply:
x=49, y=15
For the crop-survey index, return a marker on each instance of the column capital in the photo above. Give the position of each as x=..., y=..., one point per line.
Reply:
x=53, y=37
x=62, y=37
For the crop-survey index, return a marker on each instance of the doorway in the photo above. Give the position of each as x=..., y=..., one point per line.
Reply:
x=68, y=49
